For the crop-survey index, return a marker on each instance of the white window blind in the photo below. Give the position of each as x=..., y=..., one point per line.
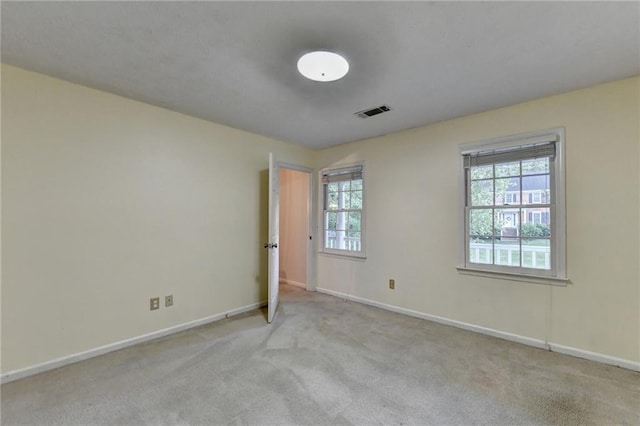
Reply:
x=352, y=173
x=545, y=149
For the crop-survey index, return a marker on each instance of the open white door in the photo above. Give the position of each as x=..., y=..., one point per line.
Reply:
x=274, y=237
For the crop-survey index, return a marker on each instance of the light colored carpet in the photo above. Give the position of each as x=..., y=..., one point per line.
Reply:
x=326, y=361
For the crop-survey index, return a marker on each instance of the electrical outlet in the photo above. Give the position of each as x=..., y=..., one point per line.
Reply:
x=168, y=300
x=392, y=284
x=154, y=303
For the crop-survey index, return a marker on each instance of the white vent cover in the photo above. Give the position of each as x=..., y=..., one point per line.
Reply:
x=373, y=111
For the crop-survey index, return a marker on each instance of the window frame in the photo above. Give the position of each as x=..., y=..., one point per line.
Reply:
x=557, y=274
x=322, y=249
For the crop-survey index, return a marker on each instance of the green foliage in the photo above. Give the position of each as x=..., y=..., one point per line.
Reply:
x=482, y=223
x=535, y=166
x=529, y=230
x=535, y=230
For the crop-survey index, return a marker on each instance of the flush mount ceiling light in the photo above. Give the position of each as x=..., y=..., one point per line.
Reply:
x=323, y=66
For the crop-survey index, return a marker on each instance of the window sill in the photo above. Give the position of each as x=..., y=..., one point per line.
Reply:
x=535, y=279
x=347, y=256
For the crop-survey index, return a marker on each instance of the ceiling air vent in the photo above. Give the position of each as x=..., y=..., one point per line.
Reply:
x=373, y=111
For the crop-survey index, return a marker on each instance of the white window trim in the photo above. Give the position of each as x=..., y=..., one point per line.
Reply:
x=558, y=217
x=537, y=215
x=536, y=197
x=347, y=254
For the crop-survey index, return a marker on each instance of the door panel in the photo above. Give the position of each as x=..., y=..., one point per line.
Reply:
x=274, y=234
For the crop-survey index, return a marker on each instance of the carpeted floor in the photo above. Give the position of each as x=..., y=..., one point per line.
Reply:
x=326, y=361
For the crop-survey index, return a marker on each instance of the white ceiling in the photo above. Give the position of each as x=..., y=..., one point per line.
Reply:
x=234, y=63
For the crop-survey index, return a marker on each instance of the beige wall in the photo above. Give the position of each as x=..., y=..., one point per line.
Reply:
x=413, y=224
x=294, y=226
x=108, y=202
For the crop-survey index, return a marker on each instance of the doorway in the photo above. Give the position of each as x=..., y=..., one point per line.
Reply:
x=295, y=226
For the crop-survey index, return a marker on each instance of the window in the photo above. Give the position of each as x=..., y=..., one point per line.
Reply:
x=514, y=206
x=536, y=217
x=536, y=198
x=342, y=212
x=511, y=198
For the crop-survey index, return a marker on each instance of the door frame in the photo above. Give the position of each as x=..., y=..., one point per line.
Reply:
x=311, y=266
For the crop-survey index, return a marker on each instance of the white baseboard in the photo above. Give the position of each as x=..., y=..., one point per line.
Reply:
x=70, y=359
x=295, y=283
x=554, y=347
x=594, y=356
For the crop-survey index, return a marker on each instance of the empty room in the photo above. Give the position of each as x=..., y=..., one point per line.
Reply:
x=309, y=212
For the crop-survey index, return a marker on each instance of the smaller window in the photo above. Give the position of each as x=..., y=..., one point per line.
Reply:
x=343, y=211
x=537, y=217
x=536, y=198
x=511, y=198
x=545, y=218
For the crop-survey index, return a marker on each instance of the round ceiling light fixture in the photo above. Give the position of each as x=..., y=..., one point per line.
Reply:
x=323, y=66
